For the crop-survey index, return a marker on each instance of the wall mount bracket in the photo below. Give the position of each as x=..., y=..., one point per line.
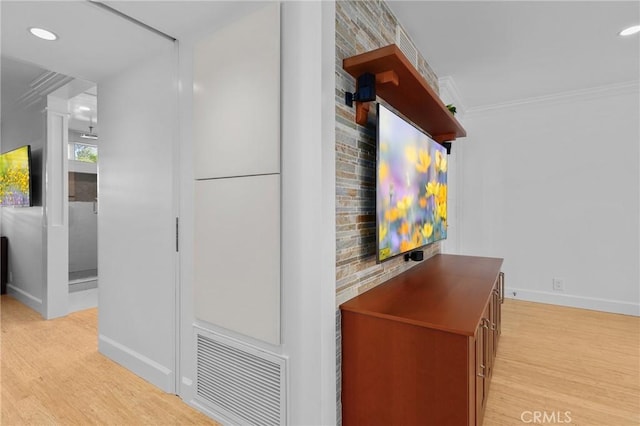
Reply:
x=365, y=90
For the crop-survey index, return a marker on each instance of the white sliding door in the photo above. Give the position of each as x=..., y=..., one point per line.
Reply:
x=136, y=221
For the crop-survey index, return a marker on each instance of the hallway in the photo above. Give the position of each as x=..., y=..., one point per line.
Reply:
x=52, y=373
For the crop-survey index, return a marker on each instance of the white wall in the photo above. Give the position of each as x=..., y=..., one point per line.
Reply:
x=136, y=223
x=308, y=214
x=308, y=211
x=449, y=95
x=23, y=226
x=552, y=187
x=236, y=127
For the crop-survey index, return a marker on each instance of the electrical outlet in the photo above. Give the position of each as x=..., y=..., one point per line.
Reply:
x=558, y=284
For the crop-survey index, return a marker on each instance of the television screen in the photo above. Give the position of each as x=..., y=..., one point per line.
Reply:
x=15, y=177
x=411, y=187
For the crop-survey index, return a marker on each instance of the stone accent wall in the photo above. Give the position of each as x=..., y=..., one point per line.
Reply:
x=361, y=26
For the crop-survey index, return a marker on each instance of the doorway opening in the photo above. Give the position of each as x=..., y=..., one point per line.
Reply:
x=83, y=200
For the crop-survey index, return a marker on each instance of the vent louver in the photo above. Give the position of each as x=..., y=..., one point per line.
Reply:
x=406, y=46
x=41, y=86
x=241, y=382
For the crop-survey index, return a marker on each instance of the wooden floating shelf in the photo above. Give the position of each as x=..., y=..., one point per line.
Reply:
x=400, y=85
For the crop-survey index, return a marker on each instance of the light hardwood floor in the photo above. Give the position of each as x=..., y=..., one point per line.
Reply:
x=551, y=360
x=556, y=359
x=52, y=373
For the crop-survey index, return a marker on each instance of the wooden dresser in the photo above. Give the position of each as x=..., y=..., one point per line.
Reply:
x=419, y=348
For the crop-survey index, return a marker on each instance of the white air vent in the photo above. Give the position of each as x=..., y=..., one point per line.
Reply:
x=42, y=86
x=406, y=46
x=239, y=381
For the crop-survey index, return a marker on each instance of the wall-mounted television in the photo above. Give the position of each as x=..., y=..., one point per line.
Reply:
x=15, y=177
x=411, y=187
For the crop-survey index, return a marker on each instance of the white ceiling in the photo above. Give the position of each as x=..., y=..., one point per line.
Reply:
x=92, y=44
x=181, y=19
x=504, y=51
x=18, y=77
x=496, y=51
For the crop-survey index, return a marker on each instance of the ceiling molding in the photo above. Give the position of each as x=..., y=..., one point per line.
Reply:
x=569, y=96
x=450, y=94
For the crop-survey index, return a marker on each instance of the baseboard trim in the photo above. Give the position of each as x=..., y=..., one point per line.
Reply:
x=218, y=417
x=137, y=363
x=26, y=298
x=595, y=304
x=81, y=300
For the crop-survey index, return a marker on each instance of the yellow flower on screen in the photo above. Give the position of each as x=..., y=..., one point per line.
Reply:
x=405, y=203
x=442, y=210
x=427, y=230
x=406, y=246
x=441, y=196
x=416, y=238
x=441, y=162
x=404, y=228
x=382, y=232
x=411, y=153
x=383, y=171
x=432, y=188
x=424, y=161
x=423, y=202
x=392, y=215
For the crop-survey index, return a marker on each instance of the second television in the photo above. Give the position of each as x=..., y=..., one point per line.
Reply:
x=411, y=187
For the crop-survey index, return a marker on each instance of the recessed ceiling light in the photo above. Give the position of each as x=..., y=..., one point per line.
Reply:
x=83, y=108
x=43, y=34
x=630, y=31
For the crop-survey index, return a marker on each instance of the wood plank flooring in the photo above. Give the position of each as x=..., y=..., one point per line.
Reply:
x=551, y=360
x=554, y=359
x=52, y=374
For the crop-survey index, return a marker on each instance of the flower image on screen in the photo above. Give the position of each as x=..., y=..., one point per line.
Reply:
x=14, y=177
x=411, y=187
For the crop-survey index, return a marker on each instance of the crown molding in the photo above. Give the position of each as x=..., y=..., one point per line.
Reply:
x=568, y=96
x=450, y=94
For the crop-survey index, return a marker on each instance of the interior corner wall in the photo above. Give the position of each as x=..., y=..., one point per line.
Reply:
x=307, y=224
x=23, y=226
x=553, y=187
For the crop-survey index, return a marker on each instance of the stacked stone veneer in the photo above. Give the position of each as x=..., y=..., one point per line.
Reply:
x=361, y=26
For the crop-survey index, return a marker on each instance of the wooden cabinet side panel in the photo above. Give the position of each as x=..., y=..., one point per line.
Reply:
x=399, y=374
x=472, y=377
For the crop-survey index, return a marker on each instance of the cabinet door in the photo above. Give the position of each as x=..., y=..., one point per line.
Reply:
x=497, y=313
x=481, y=369
x=491, y=326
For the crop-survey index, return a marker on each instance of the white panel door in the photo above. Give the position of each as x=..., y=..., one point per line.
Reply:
x=236, y=98
x=237, y=255
x=136, y=219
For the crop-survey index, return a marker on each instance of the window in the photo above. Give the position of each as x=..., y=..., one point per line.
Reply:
x=83, y=152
